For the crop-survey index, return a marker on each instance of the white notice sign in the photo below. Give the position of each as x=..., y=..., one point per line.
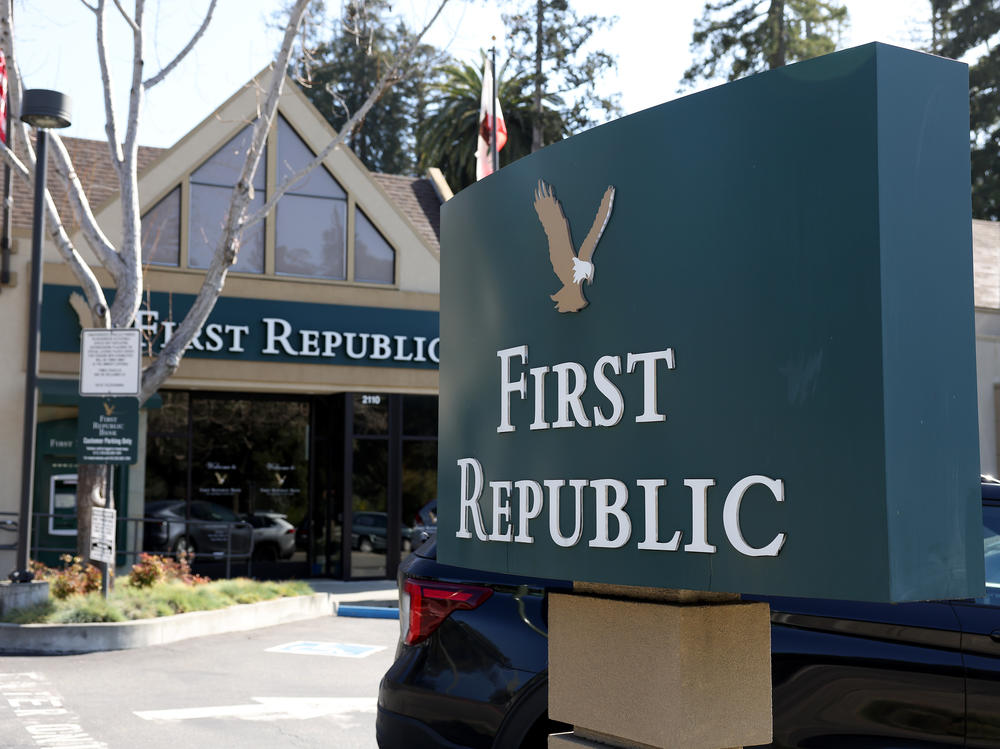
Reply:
x=110, y=361
x=102, y=534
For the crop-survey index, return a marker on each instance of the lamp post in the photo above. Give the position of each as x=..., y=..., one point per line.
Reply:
x=42, y=109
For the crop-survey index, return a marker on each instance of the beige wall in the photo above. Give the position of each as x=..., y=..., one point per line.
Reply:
x=14, y=313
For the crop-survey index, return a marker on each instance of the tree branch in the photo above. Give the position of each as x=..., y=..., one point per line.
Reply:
x=394, y=74
x=88, y=281
x=128, y=298
x=95, y=237
x=110, y=126
x=125, y=15
x=226, y=251
x=150, y=82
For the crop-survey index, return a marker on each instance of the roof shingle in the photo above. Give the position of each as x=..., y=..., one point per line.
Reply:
x=97, y=175
x=413, y=196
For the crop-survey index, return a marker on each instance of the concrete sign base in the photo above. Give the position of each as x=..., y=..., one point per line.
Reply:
x=667, y=669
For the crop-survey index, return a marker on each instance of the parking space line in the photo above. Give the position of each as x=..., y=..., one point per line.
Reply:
x=335, y=649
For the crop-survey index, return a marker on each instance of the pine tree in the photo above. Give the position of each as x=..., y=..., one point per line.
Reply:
x=734, y=38
x=549, y=45
x=961, y=26
x=337, y=73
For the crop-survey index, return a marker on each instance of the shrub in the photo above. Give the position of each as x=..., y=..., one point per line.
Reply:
x=72, y=579
x=147, y=572
x=91, y=608
x=152, y=569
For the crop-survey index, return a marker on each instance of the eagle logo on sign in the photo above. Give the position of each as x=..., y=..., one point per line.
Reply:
x=571, y=267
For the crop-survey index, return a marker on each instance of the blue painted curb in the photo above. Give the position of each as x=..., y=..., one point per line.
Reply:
x=368, y=612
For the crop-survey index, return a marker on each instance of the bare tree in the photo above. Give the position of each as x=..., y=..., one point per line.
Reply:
x=124, y=262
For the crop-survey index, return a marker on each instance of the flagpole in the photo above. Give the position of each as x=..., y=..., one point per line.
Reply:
x=493, y=105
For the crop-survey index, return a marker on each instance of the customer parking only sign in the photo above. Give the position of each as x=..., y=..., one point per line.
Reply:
x=724, y=344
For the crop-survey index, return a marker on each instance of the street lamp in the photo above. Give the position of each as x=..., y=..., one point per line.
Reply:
x=42, y=109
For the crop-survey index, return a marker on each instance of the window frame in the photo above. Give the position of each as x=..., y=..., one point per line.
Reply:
x=270, y=165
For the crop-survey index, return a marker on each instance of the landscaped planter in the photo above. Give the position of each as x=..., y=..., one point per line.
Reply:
x=56, y=639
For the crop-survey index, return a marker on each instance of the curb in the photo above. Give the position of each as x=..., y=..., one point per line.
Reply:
x=368, y=612
x=66, y=639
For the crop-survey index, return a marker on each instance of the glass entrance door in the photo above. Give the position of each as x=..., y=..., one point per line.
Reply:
x=370, y=532
x=243, y=458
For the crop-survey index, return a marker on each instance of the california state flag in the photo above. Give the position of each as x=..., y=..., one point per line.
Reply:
x=484, y=161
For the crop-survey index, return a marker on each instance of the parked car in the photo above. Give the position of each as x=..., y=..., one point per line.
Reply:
x=212, y=529
x=471, y=663
x=273, y=536
x=369, y=531
x=427, y=516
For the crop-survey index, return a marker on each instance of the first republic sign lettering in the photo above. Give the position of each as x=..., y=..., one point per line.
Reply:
x=724, y=344
x=610, y=495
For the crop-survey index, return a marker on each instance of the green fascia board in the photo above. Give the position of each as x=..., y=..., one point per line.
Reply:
x=801, y=240
x=269, y=330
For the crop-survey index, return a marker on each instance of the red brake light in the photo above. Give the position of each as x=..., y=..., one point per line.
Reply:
x=430, y=603
x=290, y=530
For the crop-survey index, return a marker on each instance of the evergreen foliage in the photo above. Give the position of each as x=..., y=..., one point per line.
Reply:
x=339, y=73
x=960, y=27
x=550, y=45
x=447, y=137
x=734, y=38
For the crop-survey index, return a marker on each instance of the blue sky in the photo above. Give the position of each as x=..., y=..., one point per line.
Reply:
x=56, y=49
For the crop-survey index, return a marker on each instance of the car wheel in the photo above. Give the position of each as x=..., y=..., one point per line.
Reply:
x=365, y=544
x=265, y=553
x=184, y=545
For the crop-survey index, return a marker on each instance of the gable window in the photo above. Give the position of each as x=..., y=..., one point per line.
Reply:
x=374, y=258
x=161, y=231
x=317, y=230
x=311, y=231
x=211, y=191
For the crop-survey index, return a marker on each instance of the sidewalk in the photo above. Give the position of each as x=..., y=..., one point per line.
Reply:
x=362, y=598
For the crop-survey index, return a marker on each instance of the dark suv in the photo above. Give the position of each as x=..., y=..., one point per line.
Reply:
x=471, y=665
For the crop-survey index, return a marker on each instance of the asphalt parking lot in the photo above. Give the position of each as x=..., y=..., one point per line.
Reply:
x=305, y=684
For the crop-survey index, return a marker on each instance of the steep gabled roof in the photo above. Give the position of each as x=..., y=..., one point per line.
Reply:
x=415, y=196
x=93, y=166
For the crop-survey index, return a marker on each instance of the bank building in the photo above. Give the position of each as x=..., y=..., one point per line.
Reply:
x=307, y=405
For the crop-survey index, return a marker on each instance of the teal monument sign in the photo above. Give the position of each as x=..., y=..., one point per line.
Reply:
x=724, y=344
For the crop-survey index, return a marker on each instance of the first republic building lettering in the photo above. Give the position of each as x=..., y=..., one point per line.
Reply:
x=280, y=338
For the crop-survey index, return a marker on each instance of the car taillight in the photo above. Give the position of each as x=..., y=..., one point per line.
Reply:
x=289, y=531
x=425, y=604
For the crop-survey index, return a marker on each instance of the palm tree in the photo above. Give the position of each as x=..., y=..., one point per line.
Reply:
x=446, y=138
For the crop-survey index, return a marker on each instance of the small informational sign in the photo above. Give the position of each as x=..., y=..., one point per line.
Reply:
x=110, y=361
x=108, y=430
x=102, y=534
